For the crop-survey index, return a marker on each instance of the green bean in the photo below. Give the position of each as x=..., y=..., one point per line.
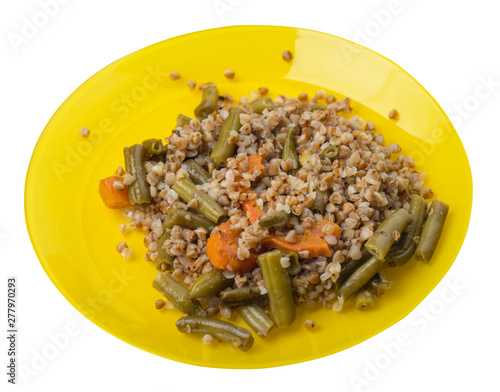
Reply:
x=209, y=284
x=279, y=288
x=164, y=261
x=279, y=219
x=379, y=285
x=187, y=220
x=381, y=241
x=178, y=295
x=261, y=104
x=207, y=206
x=402, y=252
x=317, y=106
x=138, y=192
x=432, y=231
x=295, y=265
x=220, y=330
x=208, y=102
x=331, y=152
x=364, y=299
x=290, y=152
x=320, y=202
x=197, y=174
x=223, y=149
x=349, y=267
x=153, y=146
x=256, y=318
x=359, y=278
x=240, y=295
x=182, y=120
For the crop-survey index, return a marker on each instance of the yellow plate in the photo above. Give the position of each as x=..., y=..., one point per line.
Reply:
x=75, y=236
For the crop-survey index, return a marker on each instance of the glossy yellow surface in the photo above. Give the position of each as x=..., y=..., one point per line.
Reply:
x=133, y=98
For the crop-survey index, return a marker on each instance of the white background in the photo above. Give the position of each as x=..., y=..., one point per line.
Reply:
x=449, y=46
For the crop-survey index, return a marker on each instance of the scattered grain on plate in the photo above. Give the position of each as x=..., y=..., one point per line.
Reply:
x=427, y=193
x=263, y=91
x=160, y=304
x=84, y=132
x=393, y=114
x=191, y=84
x=396, y=235
x=120, y=171
x=128, y=179
x=309, y=324
x=208, y=339
x=229, y=74
x=119, y=186
x=287, y=55
x=285, y=262
x=174, y=75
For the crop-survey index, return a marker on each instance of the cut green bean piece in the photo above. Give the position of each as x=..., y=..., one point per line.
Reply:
x=365, y=299
x=279, y=219
x=178, y=295
x=187, y=220
x=320, y=202
x=223, y=149
x=331, y=152
x=402, y=252
x=317, y=106
x=261, y=104
x=349, y=267
x=221, y=330
x=256, y=318
x=381, y=241
x=432, y=231
x=279, y=288
x=209, y=284
x=290, y=152
x=359, y=278
x=182, y=120
x=295, y=265
x=197, y=174
x=208, y=207
x=208, y=102
x=379, y=285
x=240, y=295
x=153, y=146
x=138, y=192
x=164, y=261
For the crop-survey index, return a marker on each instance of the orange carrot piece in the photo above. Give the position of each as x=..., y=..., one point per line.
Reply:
x=313, y=240
x=252, y=210
x=110, y=196
x=222, y=247
x=255, y=162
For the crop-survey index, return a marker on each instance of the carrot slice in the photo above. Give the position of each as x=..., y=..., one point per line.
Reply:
x=255, y=162
x=252, y=210
x=313, y=240
x=222, y=247
x=110, y=196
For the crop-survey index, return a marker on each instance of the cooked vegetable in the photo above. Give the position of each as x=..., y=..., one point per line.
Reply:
x=295, y=265
x=359, y=278
x=208, y=102
x=252, y=210
x=178, y=295
x=197, y=174
x=432, y=231
x=279, y=288
x=209, y=284
x=182, y=120
x=255, y=163
x=290, y=152
x=187, y=220
x=312, y=241
x=278, y=219
x=153, y=146
x=349, y=267
x=208, y=207
x=317, y=106
x=222, y=250
x=381, y=241
x=256, y=318
x=261, y=104
x=223, y=149
x=402, y=252
x=379, y=285
x=365, y=299
x=240, y=295
x=220, y=330
x=331, y=152
x=320, y=202
x=164, y=261
x=138, y=192
x=110, y=196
